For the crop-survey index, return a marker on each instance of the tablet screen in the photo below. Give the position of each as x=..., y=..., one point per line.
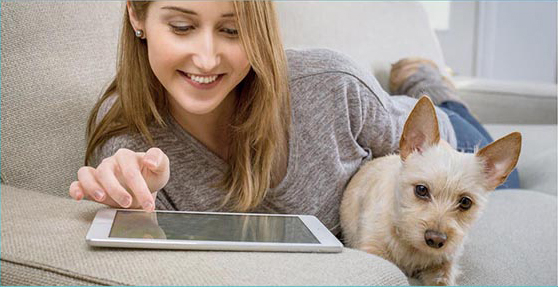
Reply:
x=211, y=227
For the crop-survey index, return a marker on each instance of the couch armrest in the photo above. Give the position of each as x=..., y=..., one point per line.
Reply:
x=509, y=102
x=43, y=242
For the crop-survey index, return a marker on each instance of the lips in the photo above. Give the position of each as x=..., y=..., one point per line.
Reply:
x=202, y=81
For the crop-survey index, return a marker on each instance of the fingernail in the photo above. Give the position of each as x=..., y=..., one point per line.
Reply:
x=98, y=195
x=126, y=201
x=147, y=206
x=79, y=195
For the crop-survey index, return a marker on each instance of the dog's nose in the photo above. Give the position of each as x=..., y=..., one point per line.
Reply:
x=435, y=239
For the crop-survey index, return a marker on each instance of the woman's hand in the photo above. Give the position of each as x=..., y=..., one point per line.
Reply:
x=127, y=179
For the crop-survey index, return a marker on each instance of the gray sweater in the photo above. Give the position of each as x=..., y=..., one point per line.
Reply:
x=341, y=117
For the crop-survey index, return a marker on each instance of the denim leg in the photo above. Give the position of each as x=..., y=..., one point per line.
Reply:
x=461, y=110
x=470, y=134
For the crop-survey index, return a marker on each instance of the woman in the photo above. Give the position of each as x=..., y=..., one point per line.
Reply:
x=203, y=92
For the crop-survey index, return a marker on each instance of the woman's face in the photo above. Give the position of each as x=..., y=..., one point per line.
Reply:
x=195, y=51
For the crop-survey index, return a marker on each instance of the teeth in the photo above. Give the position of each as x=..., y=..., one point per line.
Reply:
x=202, y=80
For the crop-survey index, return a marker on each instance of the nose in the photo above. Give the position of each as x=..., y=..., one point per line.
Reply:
x=435, y=239
x=206, y=57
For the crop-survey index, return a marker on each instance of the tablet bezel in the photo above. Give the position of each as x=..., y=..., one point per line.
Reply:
x=98, y=235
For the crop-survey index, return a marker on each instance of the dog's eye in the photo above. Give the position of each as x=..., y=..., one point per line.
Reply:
x=421, y=191
x=465, y=203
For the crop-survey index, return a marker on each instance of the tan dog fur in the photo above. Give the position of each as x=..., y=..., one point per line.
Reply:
x=382, y=215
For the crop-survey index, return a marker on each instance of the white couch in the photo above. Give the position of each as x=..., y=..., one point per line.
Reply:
x=54, y=68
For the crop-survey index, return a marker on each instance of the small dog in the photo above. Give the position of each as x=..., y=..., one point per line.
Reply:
x=414, y=209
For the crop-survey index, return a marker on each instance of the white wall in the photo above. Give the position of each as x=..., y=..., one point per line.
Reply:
x=458, y=41
x=517, y=41
x=502, y=40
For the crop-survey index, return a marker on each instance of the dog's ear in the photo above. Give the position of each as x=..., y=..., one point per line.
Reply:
x=421, y=128
x=499, y=158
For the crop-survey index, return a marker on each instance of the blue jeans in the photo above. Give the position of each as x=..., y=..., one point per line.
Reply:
x=470, y=134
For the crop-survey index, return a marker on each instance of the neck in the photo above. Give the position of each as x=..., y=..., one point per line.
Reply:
x=211, y=129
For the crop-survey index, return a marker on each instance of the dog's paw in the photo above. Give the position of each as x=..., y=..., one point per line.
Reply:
x=442, y=282
x=438, y=277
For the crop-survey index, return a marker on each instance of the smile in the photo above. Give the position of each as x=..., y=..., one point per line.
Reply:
x=202, y=82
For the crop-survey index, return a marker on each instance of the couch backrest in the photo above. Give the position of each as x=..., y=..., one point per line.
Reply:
x=375, y=34
x=56, y=59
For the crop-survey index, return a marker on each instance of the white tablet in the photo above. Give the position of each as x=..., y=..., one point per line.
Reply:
x=210, y=231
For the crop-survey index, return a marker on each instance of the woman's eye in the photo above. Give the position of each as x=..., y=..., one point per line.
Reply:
x=465, y=203
x=421, y=191
x=181, y=29
x=229, y=31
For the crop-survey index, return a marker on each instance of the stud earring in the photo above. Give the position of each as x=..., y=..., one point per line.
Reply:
x=139, y=33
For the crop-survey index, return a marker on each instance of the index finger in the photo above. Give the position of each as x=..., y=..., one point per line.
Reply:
x=130, y=170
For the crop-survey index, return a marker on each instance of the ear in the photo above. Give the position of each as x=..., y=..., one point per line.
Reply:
x=132, y=15
x=500, y=158
x=421, y=129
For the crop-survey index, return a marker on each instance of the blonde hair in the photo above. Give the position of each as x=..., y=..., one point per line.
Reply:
x=259, y=125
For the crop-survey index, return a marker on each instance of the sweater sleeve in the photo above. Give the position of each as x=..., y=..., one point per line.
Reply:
x=109, y=148
x=382, y=118
x=376, y=119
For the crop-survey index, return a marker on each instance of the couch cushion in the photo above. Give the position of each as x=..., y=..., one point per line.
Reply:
x=24, y=274
x=45, y=235
x=53, y=70
x=538, y=160
x=514, y=242
x=374, y=34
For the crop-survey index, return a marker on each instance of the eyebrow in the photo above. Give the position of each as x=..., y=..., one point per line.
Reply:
x=187, y=11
